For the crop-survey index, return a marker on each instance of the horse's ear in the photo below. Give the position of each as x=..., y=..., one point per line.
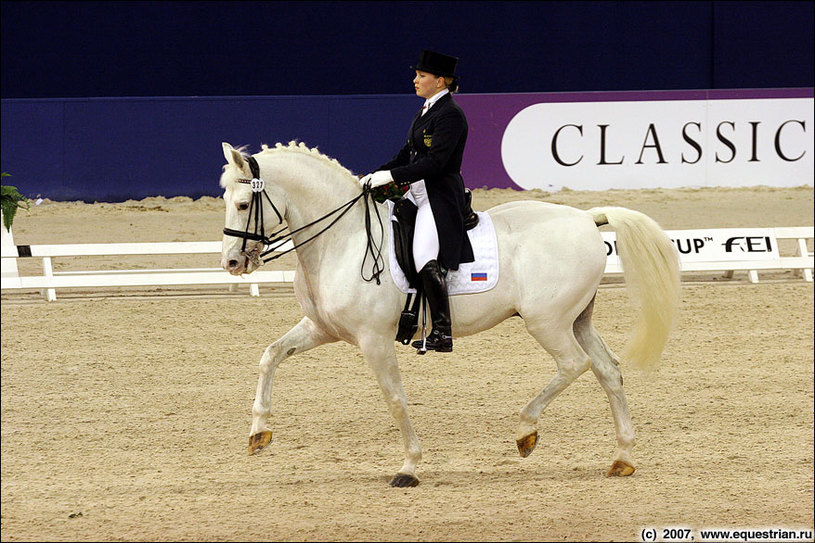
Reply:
x=232, y=156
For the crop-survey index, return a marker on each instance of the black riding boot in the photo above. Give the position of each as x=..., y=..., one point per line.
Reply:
x=435, y=290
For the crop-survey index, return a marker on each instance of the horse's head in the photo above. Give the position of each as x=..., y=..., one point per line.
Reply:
x=253, y=209
x=309, y=189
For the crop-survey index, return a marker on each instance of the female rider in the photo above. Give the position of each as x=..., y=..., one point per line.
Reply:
x=430, y=164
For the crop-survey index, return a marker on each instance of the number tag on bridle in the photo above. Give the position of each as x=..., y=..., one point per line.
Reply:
x=257, y=184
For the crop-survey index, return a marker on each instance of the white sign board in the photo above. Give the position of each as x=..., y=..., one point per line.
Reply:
x=669, y=144
x=713, y=245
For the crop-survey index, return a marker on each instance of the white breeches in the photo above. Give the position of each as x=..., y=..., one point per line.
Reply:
x=425, y=236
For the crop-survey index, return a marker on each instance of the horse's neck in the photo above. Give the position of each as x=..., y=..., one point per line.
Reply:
x=314, y=190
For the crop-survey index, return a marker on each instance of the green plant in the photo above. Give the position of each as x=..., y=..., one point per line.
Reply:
x=10, y=200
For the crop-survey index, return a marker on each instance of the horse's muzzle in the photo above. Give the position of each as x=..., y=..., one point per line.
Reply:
x=237, y=261
x=245, y=263
x=236, y=266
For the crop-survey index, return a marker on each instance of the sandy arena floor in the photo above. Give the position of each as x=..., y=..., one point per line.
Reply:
x=125, y=414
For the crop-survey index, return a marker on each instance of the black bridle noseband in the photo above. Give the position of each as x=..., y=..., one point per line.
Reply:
x=256, y=207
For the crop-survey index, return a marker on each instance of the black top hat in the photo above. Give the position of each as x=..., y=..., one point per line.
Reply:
x=436, y=63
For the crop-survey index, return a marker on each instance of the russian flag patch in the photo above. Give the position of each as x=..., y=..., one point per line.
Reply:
x=478, y=276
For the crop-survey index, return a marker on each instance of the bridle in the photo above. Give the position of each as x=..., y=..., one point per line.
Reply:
x=256, y=205
x=274, y=241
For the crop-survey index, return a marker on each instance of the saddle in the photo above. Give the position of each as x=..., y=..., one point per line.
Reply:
x=403, y=228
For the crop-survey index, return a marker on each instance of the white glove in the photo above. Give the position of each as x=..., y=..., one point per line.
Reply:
x=377, y=179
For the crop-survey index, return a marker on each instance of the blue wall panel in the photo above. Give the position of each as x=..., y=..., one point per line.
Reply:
x=131, y=148
x=33, y=144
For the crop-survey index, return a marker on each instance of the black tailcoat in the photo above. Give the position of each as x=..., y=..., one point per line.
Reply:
x=433, y=152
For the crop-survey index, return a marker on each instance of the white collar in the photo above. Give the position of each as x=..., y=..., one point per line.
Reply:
x=435, y=98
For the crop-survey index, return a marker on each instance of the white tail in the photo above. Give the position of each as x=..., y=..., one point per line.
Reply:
x=650, y=264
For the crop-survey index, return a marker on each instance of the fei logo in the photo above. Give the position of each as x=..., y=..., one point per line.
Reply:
x=713, y=244
x=749, y=244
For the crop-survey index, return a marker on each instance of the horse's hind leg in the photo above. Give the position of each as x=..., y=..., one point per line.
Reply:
x=304, y=336
x=605, y=366
x=571, y=361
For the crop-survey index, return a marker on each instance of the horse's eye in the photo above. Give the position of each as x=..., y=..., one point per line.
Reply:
x=243, y=206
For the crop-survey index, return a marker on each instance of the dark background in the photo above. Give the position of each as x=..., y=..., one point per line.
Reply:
x=108, y=101
x=91, y=49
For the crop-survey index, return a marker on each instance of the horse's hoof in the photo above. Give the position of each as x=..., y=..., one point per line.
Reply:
x=620, y=468
x=403, y=480
x=527, y=444
x=259, y=440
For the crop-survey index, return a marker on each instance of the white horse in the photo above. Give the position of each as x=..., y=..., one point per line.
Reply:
x=552, y=258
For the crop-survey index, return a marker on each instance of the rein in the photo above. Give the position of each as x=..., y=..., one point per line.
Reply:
x=256, y=205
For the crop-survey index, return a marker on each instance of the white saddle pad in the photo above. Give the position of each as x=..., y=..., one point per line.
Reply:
x=471, y=277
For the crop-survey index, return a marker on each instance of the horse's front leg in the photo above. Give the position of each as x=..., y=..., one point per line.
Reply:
x=381, y=357
x=304, y=336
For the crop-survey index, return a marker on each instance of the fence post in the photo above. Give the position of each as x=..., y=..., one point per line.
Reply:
x=806, y=273
x=9, y=265
x=49, y=294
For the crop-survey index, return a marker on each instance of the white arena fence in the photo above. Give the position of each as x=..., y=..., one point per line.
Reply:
x=735, y=249
x=727, y=250
x=51, y=280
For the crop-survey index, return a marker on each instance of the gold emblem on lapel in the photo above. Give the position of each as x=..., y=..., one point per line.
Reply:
x=428, y=138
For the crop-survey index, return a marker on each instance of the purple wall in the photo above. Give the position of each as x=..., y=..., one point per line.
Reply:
x=489, y=114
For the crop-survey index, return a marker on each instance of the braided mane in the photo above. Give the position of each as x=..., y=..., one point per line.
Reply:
x=302, y=148
x=292, y=147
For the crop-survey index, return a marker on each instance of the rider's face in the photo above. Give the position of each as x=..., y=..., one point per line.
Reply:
x=427, y=84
